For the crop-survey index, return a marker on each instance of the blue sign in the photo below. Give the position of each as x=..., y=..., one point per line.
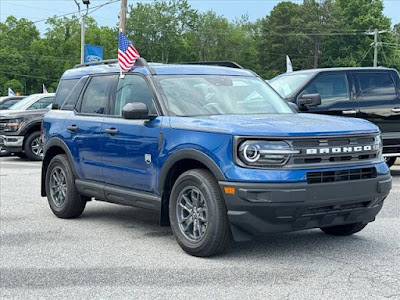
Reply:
x=93, y=53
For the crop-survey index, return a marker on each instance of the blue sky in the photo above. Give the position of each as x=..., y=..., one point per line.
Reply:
x=36, y=10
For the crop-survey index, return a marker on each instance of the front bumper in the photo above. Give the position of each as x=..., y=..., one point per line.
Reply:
x=12, y=143
x=257, y=208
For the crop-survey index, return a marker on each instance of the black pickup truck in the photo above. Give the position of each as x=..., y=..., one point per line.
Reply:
x=372, y=94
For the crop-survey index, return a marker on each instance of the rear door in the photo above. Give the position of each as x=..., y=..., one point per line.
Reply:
x=337, y=94
x=84, y=128
x=378, y=99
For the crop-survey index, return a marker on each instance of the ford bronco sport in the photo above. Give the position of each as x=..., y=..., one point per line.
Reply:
x=215, y=150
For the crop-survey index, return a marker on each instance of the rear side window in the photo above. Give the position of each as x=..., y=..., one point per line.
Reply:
x=95, y=100
x=376, y=86
x=73, y=97
x=332, y=88
x=8, y=103
x=64, y=88
x=42, y=103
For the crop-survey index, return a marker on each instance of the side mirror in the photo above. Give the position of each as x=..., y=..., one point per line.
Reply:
x=309, y=100
x=136, y=111
x=55, y=106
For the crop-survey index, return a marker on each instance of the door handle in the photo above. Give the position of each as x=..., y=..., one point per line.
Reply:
x=112, y=131
x=73, y=128
x=349, y=112
x=396, y=110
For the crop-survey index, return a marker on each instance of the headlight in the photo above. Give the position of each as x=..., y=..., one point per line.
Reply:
x=380, y=145
x=13, y=125
x=260, y=153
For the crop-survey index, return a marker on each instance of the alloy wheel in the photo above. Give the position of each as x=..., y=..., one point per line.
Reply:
x=192, y=213
x=58, y=186
x=37, y=146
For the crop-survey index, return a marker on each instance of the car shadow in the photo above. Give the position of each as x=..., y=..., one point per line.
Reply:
x=278, y=245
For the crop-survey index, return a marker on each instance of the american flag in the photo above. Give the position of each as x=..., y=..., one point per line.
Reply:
x=127, y=54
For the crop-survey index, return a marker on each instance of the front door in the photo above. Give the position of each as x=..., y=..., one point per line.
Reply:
x=130, y=147
x=336, y=94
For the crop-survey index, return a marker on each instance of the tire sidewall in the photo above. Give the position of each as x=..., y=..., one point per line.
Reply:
x=64, y=165
x=28, y=146
x=191, y=179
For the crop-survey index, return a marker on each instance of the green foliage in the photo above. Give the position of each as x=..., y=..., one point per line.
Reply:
x=15, y=85
x=314, y=33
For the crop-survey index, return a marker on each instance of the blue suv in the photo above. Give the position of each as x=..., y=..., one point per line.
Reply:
x=215, y=150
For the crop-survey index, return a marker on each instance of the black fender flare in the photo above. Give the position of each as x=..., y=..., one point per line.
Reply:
x=54, y=142
x=189, y=154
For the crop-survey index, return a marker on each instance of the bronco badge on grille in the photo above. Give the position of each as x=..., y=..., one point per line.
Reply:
x=350, y=149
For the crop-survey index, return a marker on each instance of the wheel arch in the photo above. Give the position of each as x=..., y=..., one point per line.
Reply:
x=54, y=146
x=178, y=163
x=29, y=130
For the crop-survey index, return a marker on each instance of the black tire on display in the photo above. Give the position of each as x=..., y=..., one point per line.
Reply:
x=343, y=230
x=390, y=161
x=33, y=146
x=63, y=197
x=198, y=215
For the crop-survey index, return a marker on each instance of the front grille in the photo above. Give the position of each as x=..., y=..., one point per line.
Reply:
x=3, y=123
x=342, y=175
x=334, y=150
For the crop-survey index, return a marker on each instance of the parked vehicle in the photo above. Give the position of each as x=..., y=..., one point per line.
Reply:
x=20, y=126
x=7, y=102
x=214, y=150
x=372, y=94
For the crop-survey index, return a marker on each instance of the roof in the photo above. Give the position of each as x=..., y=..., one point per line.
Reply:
x=314, y=71
x=160, y=69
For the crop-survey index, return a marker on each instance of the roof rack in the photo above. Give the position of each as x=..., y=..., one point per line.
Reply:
x=96, y=63
x=229, y=64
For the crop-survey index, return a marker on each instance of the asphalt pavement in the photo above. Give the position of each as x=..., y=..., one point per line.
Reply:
x=117, y=252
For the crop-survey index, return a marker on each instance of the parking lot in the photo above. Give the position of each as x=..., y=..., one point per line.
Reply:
x=118, y=252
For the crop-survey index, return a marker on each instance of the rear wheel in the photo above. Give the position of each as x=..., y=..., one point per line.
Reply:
x=343, y=230
x=198, y=214
x=64, y=199
x=33, y=146
x=390, y=161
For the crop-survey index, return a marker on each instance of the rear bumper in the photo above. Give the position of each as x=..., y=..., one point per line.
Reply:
x=261, y=208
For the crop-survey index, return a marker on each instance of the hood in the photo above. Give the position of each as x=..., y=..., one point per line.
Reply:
x=299, y=124
x=21, y=113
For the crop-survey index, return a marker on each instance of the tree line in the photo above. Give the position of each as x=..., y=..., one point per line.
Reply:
x=315, y=33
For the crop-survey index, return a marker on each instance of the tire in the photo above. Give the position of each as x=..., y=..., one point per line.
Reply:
x=67, y=203
x=214, y=235
x=33, y=146
x=4, y=152
x=343, y=230
x=390, y=161
x=21, y=155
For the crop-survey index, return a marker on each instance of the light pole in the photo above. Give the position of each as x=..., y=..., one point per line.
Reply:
x=86, y=2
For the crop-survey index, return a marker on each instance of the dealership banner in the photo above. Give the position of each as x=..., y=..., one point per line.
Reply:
x=93, y=53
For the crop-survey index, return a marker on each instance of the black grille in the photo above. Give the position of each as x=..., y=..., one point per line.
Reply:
x=337, y=147
x=342, y=175
x=334, y=208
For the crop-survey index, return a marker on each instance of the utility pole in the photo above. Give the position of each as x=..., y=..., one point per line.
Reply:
x=376, y=48
x=86, y=2
x=124, y=5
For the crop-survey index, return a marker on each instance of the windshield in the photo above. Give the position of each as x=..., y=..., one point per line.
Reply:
x=203, y=95
x=286, y=84
x=25, y=103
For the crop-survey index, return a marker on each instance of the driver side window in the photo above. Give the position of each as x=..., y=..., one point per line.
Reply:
x=131, y=89
x=332, y=88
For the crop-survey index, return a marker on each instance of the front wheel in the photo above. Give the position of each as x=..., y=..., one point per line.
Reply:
x=390, y=161
x=33, y=146
x=63, y=197
x=198, y=214
x=343, y=230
